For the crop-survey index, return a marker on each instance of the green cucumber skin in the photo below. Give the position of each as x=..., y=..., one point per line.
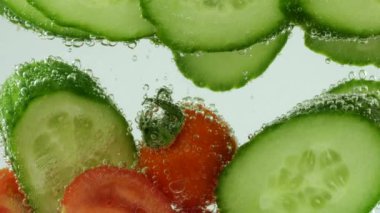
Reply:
x=362, y=107
x=13, y=101
x=21, y=17
x=296, y=15
x=2, y=7
x=94, y=32
x=345, y=51
x=281, y=40
x=356, y=86
x=37, y=79
x=177, y=46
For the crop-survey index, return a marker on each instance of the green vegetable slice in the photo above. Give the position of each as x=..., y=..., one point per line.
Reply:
x=351, y=51
x=213, y=25
x=312, y=161
x=2, y=7
x=57, y=122
x=119, y=20
x=351, y=17
x=356, y=86
x=221, y=71
x=30, y=17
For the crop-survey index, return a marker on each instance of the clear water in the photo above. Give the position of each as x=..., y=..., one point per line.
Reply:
x=296, y=75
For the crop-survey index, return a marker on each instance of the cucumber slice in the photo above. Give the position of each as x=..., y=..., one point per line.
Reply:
x=357, y=86
x=29, y=17
x=57, y=122
x=213, y=25
x=312, y=161
x=2, y=7
x=119, y=20
x=221, y=71
x=347, y=50
x=351, y=17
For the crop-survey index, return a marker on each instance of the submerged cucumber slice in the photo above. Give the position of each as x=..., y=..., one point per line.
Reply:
x=357, y=87
x=2, y=7
x=56, y=122
x=347, y=51
x=349, y=17
x=27, y=15
x=322, y=159
x=221, y=71
x=213, y=25
x=119, y=20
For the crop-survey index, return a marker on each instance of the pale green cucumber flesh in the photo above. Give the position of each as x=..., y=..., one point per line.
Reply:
x=32, y=18
x=324, y=162
x=221, y=71
x=57, y=121
x=210, y=25
x=115, y=20
x=351, y=17
x=356, y=87
x=59, y=136
x=347, y=51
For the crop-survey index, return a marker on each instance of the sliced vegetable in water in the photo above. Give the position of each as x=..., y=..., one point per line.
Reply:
x=111, y=189
x=357, y=86
x=221, y=71
x=115, y=20
x=352, y=18
x=11, y=198
x=2, y=7
x=56, y=122
x=351, y=51
x=28, y=16
x=309, y=161
x=213, y=25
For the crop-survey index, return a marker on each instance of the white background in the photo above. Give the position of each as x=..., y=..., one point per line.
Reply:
x=297, y=74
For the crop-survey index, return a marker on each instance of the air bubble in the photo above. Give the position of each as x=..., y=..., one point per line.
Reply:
x=131, y=45
x=77, y=43
x=77, y=63
x=177, y=186
x=90, y=43
x=351, y=75
x=146, y=87
x=72, y=77
x=108, y=43
x=24, y=91
x=362, y=74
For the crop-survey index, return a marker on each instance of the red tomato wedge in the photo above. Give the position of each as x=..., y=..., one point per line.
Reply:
x=113, y=190
x=11, y=198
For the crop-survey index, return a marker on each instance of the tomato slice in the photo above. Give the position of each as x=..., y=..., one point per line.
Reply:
x=11, y=198
x=113, y=190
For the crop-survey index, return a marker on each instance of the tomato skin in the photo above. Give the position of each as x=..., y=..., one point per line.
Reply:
x=188, y=169
x=113, y=190
x=11, y=198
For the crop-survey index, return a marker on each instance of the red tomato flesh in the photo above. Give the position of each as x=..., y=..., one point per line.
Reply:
x=113, y=190
x=11, y=198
